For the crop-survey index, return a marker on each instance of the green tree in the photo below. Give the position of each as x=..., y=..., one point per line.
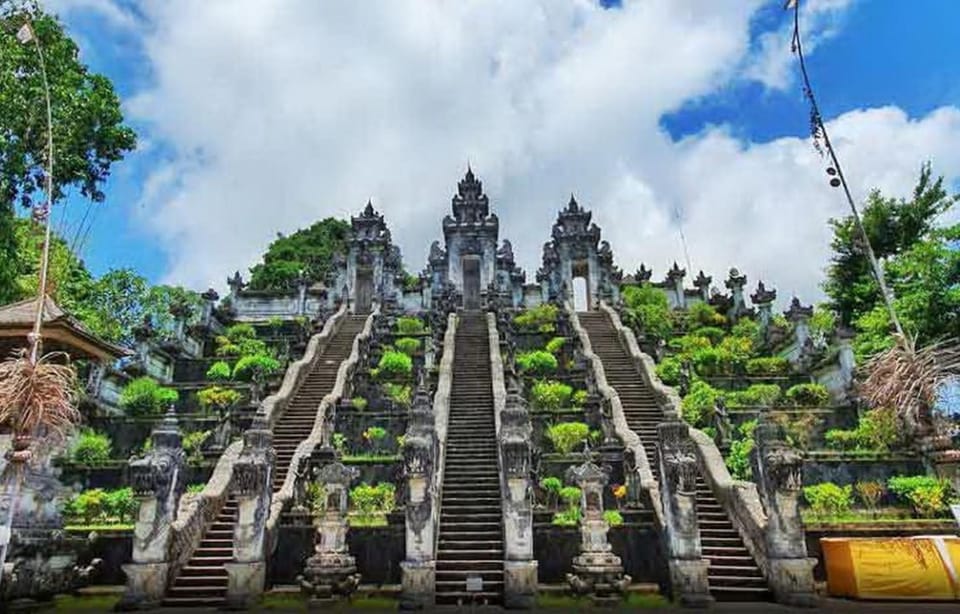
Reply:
x=894, y=226
x=310, y=250
x=88, y=130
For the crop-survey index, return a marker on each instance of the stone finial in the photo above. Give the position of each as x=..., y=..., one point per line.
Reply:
x=145, y=331
x=236, y=283
x=643, y=274
x=762, y=296
x=735, y=280
x=210, y=296
x=675, y=273
x=798, y=312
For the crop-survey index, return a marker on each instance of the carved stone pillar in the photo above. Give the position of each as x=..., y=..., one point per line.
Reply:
x=158, y=480
x=702, y=284
x=800, y=316
x=777, y=468
x=763, y=299
x=253, y=487
x=331, y=571
x=235, y=284
x=735, y=283
x=675, y=282
x=419, y=464
x=846, y=358
x=678, y=486
x=210, y=298
x=181, y=314
x=597, y=571
x=520, y=568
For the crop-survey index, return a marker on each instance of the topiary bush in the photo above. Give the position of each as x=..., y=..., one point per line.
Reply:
x=698, y=406
x=769, y=365
x=407, y=345
x=539, y=319
x=90, y=448
x=144, y=396
x=537, y=362
x=551, y=489
x=218, y=398
x=714, y=333
x=567, y=436
x=613, y=518
x=555, y=345
x=926, y=494
x=870, y=493
x=704, y=314
x=359, y=403
x=687, y=344
x=121, y=504
x=257, y=366
x=219, y=371
x=550, y=395
x=570, y=495
x=240, y=340
x=734, y=353
x=409, y=325
x=193, y=445
x=708, y=361
x=669, y=370
x=808, y=395
x=395, y=365
x=827, y=499
x=373, y=503
x=757, y=395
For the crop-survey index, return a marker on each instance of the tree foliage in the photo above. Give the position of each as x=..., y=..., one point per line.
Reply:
x=309, y=250
x=88, y=131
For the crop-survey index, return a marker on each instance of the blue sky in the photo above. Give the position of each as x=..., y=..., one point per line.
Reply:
x=178, y=210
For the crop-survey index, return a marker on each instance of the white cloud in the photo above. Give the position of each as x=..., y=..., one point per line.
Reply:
x=281, y=113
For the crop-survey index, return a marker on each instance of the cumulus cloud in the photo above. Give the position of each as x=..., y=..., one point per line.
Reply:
x=277, y=114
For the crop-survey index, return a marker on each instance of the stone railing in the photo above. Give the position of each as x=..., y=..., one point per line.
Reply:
x=789, y=574
x=441, y=411
x=197, y=511
x=340, y=389
x=274, y=405
x=630, y=440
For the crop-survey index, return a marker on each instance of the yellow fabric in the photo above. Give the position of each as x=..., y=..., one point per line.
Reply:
x=890, y=568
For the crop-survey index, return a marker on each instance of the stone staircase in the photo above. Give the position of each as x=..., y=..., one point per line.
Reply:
x=471, y=533
x=202, y=582
x=733, y=573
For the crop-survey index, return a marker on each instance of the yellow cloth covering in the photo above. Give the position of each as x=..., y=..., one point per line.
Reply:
x=893, y=568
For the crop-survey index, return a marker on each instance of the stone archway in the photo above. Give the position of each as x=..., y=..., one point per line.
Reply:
x=364, y=290
x=580, y=285
x=471, y=282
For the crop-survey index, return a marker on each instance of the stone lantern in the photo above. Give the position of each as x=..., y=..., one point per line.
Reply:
x=331, y=571
x=596, y=570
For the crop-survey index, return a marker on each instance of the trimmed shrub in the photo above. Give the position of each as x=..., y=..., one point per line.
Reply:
x=121, y=504
x=714, y=333
x=646, y=309
x=537, y=362
x=401, y=394
x=926, y=494
x=688, y=344
x=808, y=395
x=88, y=505
x=870, y=493
x=878, y=430
x=738, y=459
x=613, y=518
x=240, y=340
x=249, y=368
x=703, y=314
x=734, y=353
x=708, y=361
x=551, y=489
x=827, y=499
x=90, y=447
x=359, y=403
x=540, y=319
x=550, y=394
x=193, y=445
x=570, y=495
x=567, y=436
x=771, y=365
x=555, y=345
x=218, y=398
x=373, y=503
x=219, y=371
x=799, y=430
x=842, y=439
x=698, y=406
x=144, y=396
x=374, y=437
x=579, y=398
x=409, y=325
x=567, y=518
x=407, y=345
x=669, y=370
x=745, y=327
x=395, y=365
x=757, y=395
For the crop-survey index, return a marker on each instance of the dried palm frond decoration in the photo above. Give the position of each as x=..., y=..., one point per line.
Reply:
x=38, y=400
x=911, y=380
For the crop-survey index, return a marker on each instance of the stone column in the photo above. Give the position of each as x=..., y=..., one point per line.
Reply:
x=678, y=487
x=252, y=486
x=331, y=571
x=210, y=298
x=181, y=313
x=800, y=316
x=420, y=451
x=735, y=283
x=675, y=282
x=519, y=567
x=597, y=571
x=236, y=285
x=702, y=284
x=302, y=284
x=158, y=480
x=777, y=468
x=845, y=356
x=763, y=299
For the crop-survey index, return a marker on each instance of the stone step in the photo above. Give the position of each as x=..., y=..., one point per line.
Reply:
x=739, y=593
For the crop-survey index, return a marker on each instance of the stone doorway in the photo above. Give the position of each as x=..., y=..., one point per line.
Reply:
x=471, y=283
x=580, y=272
x=364, y=290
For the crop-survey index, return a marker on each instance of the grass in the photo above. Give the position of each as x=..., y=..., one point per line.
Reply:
x=367, y=520
x=641, y=601
x=370, y=459
x=71, y=603
x=888, y=515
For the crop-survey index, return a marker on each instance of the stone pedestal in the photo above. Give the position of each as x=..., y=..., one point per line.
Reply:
x=419, y=579
x=146, y=585
x=519, y=584
x=328, y=576
x=245, y=582
x=792, y=581
x=688, y=577
x=599, y=574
